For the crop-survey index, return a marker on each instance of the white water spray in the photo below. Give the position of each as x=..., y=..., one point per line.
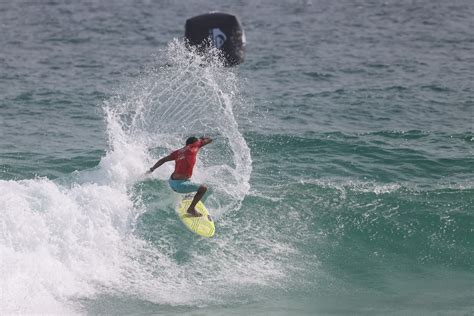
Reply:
x=191, y=95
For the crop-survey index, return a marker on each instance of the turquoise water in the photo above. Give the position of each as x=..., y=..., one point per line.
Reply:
x=341, y=171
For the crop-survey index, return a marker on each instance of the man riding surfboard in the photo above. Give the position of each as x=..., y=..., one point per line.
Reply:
x=185, y=159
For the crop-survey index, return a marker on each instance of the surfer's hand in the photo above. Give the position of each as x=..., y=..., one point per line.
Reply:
x=206, y=140
x=149, y=171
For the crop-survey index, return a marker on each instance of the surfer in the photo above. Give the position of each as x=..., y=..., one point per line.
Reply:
x=185, y=159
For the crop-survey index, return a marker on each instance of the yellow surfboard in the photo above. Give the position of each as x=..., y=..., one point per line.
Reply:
x=202, y=225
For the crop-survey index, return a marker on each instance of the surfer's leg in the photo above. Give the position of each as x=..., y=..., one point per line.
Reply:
x=186, y=186
x=183, y=186
x=200, y=193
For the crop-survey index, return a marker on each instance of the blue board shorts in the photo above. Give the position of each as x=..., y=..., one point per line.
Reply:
x=183, y=186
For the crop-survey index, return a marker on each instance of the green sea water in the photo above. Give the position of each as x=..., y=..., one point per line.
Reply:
x=341, y=172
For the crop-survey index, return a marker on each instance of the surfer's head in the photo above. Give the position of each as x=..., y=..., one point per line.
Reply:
x=191, y=140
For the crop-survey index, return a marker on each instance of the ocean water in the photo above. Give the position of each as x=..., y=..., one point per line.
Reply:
x=341, y=171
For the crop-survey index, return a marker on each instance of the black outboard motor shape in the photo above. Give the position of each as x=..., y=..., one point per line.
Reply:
x=222, y=30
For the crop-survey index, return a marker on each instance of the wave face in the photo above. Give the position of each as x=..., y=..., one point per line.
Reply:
x=89, y=230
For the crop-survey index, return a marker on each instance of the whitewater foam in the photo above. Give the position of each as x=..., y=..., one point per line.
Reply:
x=56, y=242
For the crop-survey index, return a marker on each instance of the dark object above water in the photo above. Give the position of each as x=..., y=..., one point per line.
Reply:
x=222, y=30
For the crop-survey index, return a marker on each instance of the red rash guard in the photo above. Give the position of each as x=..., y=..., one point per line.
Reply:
x=185, y=158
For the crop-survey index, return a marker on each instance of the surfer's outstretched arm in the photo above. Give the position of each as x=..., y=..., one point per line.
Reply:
x=205, y=140
x=159, y=163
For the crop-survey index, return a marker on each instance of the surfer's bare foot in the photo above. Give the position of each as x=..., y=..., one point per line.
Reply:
x=193, y=213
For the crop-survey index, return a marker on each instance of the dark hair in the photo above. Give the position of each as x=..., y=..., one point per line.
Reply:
x=191, y=140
